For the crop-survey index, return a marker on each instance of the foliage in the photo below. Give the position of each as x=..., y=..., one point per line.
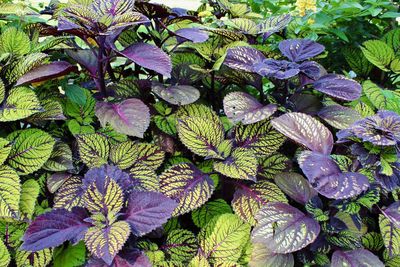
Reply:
x=134, y=134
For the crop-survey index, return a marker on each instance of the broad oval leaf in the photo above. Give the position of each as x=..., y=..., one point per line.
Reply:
x=51, y=229
x=202, y=136
x=259, y=137
x=271, y=165
x=243, y=58
x=131, y=116
x=93, y=149
x=186, y=184
x=338, y=86
x=10, y=193
x=147, y=211
x=295, y=186
x=284, y=229
x=298, y=50
x=339, y=116
x=30, y=190
x=70, y=194
x=327, y=178
x=150, y=57
x=211, y=209
x=223, y=238
x=21, y=102
x=46, y=72
x=60, y=159
x=241, y=164
x=262, y=256
x=306, y=130
x=355, y=258
x=378, y=53
x=242, y=107
x=30, y=150
x=390, y=234
x=181, y=245
x=177, y=94
x=248, y=200
x=106, y=242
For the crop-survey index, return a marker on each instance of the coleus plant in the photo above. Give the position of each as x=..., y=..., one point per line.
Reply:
x=170, y=138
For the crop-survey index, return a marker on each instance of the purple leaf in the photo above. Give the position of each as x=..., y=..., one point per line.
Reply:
x=284, y=229
x=298, y=50
x=150, y=57
x=339, y=87
x=310, y=71
x=55, y=181
x=338, y=116
x=244, y=108
x=295, y=186
x=53, y=228
x=99, y=175
x=187, y=185
x=86, y=59
x=47, y=72
x=327, y=178
x=262, y=256
x=147, y=211
x=243, y=58
x=355, y=258
x=195, y=35
x=306, y=130
x=136, y=258
x=393, y=213
x=177, y=94
x=279, y=69
x=131, y=116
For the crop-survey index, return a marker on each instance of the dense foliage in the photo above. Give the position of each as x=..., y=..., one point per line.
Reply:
x=133, y=134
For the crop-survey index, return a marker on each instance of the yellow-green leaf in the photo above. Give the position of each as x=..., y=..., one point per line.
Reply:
x=20, y=103
x=29, y=192
x=93, y=149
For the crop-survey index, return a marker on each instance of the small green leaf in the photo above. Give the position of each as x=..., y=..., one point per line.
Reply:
x=211, y=209
x=70, y=256
x=76, y=94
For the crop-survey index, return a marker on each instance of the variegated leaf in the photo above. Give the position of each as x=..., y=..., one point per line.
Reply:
x=10, y=192
x=211, y=209
x=70, y=194
x=93, y=149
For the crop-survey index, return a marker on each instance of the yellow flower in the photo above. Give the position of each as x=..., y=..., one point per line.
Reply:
x=302, y=6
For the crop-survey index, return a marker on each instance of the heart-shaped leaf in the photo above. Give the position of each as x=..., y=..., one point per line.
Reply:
x=298, y=50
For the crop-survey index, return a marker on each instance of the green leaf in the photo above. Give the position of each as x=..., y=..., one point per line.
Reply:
x=76, y=94
x=167, y=124
x=202, y=136
x=181, y=245
x=390, y=235
x=259, y=137
x=248, y=200
x=81, y=111
x=372, y=241
x=14, y=41
x=197, y=110
x=106, y=242
x=51, y=110
x=40, y=258
x=199, y=261
x=69, y=195
x=271, y=165
x=22, y=66
x=223, y=238
x=30, y=150
x=60, y=159
x=29, y=193
x=4, y=255
x=357, y=61
x=2, y=90
x=147, y=177
x=392, y=39
x=381, y=99
x=5, y=148
x=242, y=164
x=211, y=209
x=70, y=256
x=93, y=149
x=378, y=53
x=20, y=103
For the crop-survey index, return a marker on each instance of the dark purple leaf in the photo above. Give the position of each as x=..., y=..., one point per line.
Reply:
x=393, y=213
x=147, y=211
x=56, y=180
x=298, y=50
x=305, y=103
x=244, y=108
x=150, y=57
x=135, y=259
x=306, y=130
x=47, y=72
x=100, y=174
x=327, y=178
x=338, y=116
x=382, y=129
x=279, y=69
x=243, y=58
x=295, y=186
x=86, y=59
x=53, y=228
x=194, y=35
x=177, y=94
x=186, y=184
x=131, y=116
x=310, y=71
x=339, y=87
x=112, y=7
x=389, y=182
x=283, y=228
x=355, y=258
